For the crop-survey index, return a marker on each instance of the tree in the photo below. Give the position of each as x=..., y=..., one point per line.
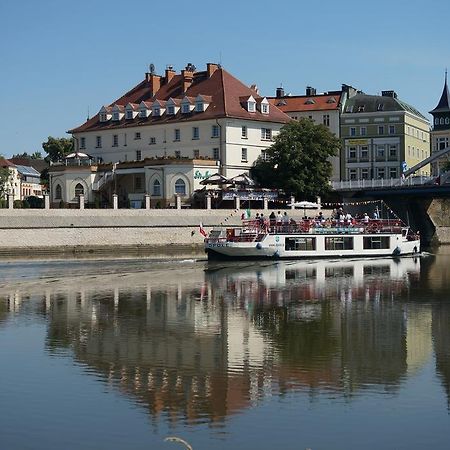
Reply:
x=5, y=176
x=298, y=161
x=57, y=148
x=36, y=155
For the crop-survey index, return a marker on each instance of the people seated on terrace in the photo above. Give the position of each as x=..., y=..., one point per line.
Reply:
x=366, y=218
x=272, y=219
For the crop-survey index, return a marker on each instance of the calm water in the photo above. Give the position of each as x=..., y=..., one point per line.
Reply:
x=287, y=355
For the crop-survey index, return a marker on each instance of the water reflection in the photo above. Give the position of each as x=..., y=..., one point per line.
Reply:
x=198, y=342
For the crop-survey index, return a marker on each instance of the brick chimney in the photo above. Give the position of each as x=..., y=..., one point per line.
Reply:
x=211, y=68
x=154, y=81
x=170, y=73
x=188, y=76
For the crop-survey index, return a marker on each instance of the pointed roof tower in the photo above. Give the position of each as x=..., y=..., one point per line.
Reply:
x=444, y=102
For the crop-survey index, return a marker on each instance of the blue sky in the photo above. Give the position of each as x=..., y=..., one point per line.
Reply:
x=61, y=58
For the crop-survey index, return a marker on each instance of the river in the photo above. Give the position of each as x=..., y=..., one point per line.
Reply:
x=342, y=354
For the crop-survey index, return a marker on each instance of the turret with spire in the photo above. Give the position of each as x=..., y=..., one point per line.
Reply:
x=441, y=114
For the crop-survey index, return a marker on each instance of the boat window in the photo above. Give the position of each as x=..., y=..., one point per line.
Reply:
x=339, y=243
x=376, y=242
x=303, y=243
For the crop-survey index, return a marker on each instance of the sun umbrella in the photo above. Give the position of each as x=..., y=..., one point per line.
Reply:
x=215, y=178
x=243, y=180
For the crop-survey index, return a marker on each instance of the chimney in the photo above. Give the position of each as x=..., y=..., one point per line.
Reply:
x=188, y=76
x=154, y=81
x=392, y=94
x=211, y=68
x=280, y=92
x=170, y=73
x=310, y=90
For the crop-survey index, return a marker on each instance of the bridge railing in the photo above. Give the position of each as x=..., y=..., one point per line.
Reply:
x=381, y=183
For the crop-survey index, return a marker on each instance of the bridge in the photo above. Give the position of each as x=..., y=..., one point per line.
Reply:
x=423, y=202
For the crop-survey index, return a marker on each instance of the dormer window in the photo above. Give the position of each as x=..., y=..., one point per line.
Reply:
x=103, y=117
x=185, y=108
x=116, y=116
x=156, y=111
x=105, y=113
x=129, y=114
x=361, y=108
x=349, y=109
x=143, y=113
x=331, y=100
x=380, y=107
x=264, y=106
x=310, y=101
x=199, y=107
x=251, y=106
x=171, y=110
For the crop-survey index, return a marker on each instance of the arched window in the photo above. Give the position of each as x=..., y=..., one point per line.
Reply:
x=156, y=191
x=79, y=190
x=442, y=121
x=447, y=121
x=436, y=121
x=180, y=187
x=58, y=192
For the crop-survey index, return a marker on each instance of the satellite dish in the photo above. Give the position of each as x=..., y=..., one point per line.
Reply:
x=152, y=68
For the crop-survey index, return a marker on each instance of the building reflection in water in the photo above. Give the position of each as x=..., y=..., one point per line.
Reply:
x=201, y=342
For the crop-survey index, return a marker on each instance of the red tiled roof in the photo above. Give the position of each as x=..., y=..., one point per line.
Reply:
x=303, y=102
x=5, y=163
x=223, y=89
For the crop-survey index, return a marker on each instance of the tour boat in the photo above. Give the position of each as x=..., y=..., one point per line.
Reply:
x=257, y=239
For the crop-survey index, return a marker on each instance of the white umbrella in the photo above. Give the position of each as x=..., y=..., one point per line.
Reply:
x=305, y=205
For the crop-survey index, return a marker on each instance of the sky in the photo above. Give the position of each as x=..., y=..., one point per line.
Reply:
x=61, y=60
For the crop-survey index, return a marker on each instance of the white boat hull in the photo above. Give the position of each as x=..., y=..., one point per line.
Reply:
x=280, y=246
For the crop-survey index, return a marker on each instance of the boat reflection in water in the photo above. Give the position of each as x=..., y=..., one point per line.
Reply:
x=200, y=342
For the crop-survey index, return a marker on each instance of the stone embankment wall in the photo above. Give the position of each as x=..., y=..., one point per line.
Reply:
x=438, y=210
x=163, y=233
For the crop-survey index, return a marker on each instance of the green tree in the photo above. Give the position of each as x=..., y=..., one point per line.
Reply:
x=5, y=176
x=56, y=148
x=298, y=161
x=446, y=166
x=36, y=155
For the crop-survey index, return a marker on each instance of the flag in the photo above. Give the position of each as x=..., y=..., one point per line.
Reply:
x=249, y=214
x=202, y=230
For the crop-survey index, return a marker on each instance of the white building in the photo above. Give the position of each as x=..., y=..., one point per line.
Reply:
x=23, y=182
x=165, y=135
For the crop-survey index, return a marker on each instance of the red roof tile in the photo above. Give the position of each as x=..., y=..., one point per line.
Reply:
x=222, y=88
x=320, y=102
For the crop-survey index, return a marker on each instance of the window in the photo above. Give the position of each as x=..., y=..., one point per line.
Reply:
x=391, y=129
x=436, y=121
x=152, y=141
x=300, y=243
x=352, y=153
x=195, y=133
x=380, y=107
x=138, y=184
x=361, y=108
x=83, y=142
x=381, y=173
x=352, y=175
x=364, y=152
x=115, y=140
x=362, y=131
x=103, y=117
x=380, y=151
x=266, y=134
x=349, y=108
x=264, y=155
x=364, y=174
x=264, y=108
x=129, y=114
x=381, y=129
x=171, y=110
x=244, y=155
x=98, y=140
x=393, y=151
x=185, y=108
x=352, y=131
x=156, y=191
x=58, y=192
x=180, y=187
x=137, y=136
x=116, y=116
x=177, y=154
x=326, y=120
x=376, y=242
x=216, y=153
x=156, y=111
x=339, y=243
x=196, y=154
x=215, y=131
x=138, y=155
x=244, y=132
x=79, y=190
x=199, y=107
x=176, y=134
x=251, y=106
x=441, y=121
x=447, y=121
x=392, y=172
x=142, y=113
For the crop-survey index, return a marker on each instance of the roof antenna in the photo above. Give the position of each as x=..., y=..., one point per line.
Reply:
x=88, y=114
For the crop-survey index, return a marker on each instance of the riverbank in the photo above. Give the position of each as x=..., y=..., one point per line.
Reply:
x=155, y=233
